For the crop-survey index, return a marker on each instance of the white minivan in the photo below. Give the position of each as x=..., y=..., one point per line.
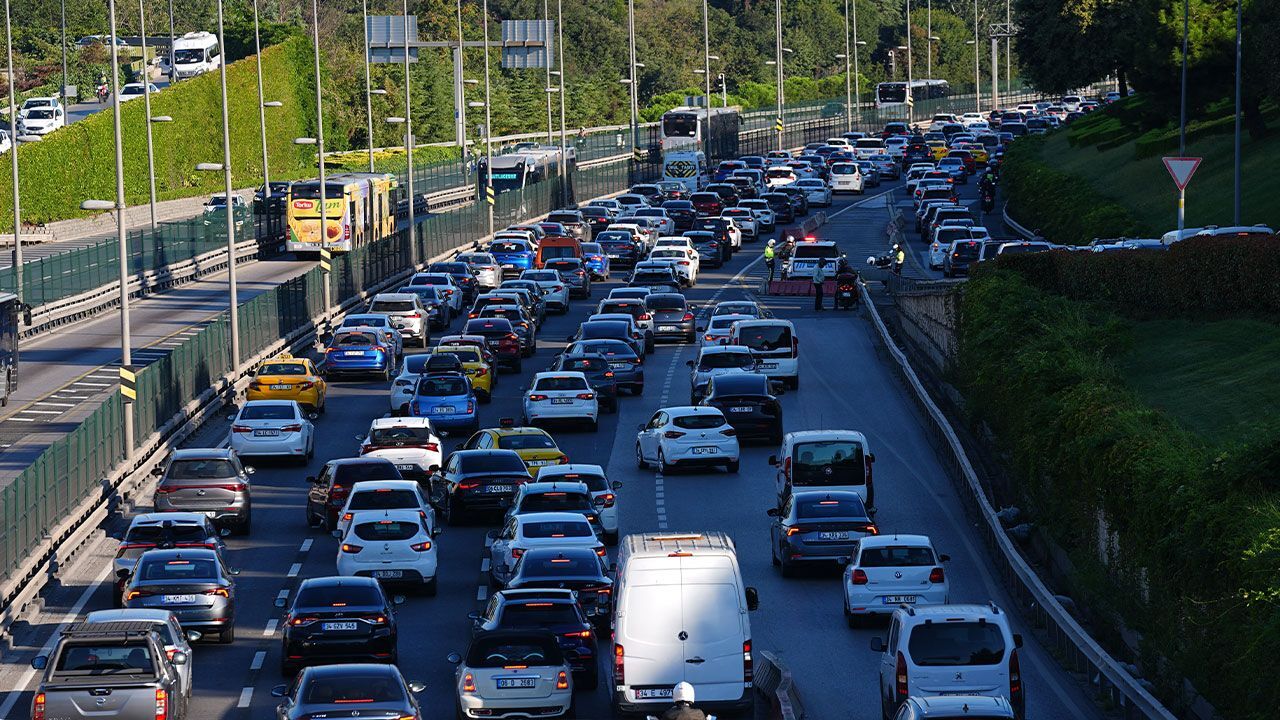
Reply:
x=195, y=53
x=825, y=460
x=681, y=616
x=775, y=346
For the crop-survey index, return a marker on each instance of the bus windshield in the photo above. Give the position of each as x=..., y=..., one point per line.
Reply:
x=680, y=125
x=891, y=92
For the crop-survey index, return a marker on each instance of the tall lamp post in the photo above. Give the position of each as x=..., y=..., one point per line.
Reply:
x=634, y=83
x=225, y=167
x=368, y=85
x=122, y=240
x=780, y=125
x=13, y=157
x=318, y=141
x=564, y=142
x=546, y=12
x=848, y=71
x=146, y=100
x=262, y=114
x=488, y=120
x=977, y=52
x=911, y=105
x=408, y=130
x=928, y=33
x=857, y=85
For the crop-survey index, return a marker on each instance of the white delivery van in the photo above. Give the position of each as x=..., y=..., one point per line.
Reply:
x=775, y=346
x=195, y=53
x=687, y=168
x=681, y=616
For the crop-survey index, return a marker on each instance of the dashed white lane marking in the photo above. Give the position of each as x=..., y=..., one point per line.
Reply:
x=43, y=412
x=306, y=545
x=246, y=695
x=294, y=569
x=482, y=593
x=270, y=629
x=91, y=384
x=22, y=419
x=55, y=404
x=484, y=565
x=258, y=658
x=282, y=594
x=488, y=542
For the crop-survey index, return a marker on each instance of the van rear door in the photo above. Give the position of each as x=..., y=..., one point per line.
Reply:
x=650, y=635
x=713, y=620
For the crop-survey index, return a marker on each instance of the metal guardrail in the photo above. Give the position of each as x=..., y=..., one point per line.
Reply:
x=1076, y=648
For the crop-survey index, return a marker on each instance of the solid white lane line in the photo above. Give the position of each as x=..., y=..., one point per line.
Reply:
x=54, y=636
x=246, y=695
x=294, y=569
x=306, y=545
x=43, y=412
x=258, y=658
x=22, y=419
x=270, y=629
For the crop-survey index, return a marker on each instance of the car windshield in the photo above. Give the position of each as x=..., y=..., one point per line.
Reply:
x=540, y=614
x=829, y=462
x=282, y=369
x=106, y=659
x=956, y=643
x=311, y=596
x=464, y=354
x=351, y=339
x=507, y=247
x=391, y=306
x=268, y=412
x=442, y=386
x=735, y=309
x=364, y=321
x=40, y=114
x=500, y=651
x=557, y=529
x=966, y=251
x=819, y=508
x=721, y=360
x=349, y=689
x=201, y=469
x=562, y=565
x=554, y=502
x=349, y=474
x=665, y=302
x=810, y=250
x=613, y=349
x=765, y=338
x=383, y=499
x=176, y=533
x=701, y=421
x=586, y=365
x=526, y=441
x=561, y=383
x=844, y=169
x=179, y=570
x=897, y=556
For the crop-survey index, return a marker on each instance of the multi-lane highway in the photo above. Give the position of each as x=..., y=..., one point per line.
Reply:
x=845, y=384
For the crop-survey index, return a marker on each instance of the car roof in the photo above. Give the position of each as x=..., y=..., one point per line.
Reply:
x=519, y=430
x=547, y=486
x=202, y=454
x=337, y=581
x=359, y=461
x=570, y=468
x=128, y=615
x=543, y=594
x=347, y=669
x=182, y=554
x=686, y=410
x=951, y=706
x=155, y=518
x=811, y=435
x=961, y=610
x=374, y=485
x=559, y=374
x=722, y=349
x=894, y=539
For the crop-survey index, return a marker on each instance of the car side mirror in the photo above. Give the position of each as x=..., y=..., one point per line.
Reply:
x=877, y=645
x=358, y=438
x=417, y=687
x=689, y=363
x=616, y=485
x=312, y=479
x=179, y=658
x=944, y=558
x=40, y=662
x=193, y=635
x=233, y=572
x=772, y=512
x=1017, y=639
x=753, y=598
x=280, y=602
x=249, y=469
x=773, y=460
x=397, y=599
x=224, y=532
x=157, y=471
x=280, y=691
x=454, y=658
x=871, y=457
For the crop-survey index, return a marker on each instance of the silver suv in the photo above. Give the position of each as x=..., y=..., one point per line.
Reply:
x=210, y=481
x=406, y=313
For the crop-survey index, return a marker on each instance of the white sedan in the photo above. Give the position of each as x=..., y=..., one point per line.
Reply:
x=763, y=213
x=393, y=546
x=887, y=571
x=555, y=291
x=816, y=191
x=683, y=260
x=687, y=436
x=273, y=427
x=561, y=396
x=718, y=328
x=133, y=91
x=745, y=219
x=521, y=533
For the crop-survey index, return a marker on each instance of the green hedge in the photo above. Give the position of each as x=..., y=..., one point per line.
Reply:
x=78, y=162
x=1065, y=208
x=1197, y=531
x=1199, y=277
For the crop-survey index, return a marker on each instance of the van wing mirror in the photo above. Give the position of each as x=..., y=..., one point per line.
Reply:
x=877, y=645
x=753, y=598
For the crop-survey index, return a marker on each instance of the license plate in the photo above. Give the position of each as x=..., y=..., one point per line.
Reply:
x=520, y=682
x=178, y=599
x=619, y=366
x=266, y=433
x=442, y=410
x=615, y=257
x=899, y=599
x=338, y=626
x=281, y=387
x=768, y=366
x=541, y=463
x=498, y=488
x=407, y=466
x=654, y=694
x=666, y=328
x=508, y=266
x=561, y=401
x=353, y=353
x=740, y=409
x=706, y=450
x=838, y=535
x=387, y=575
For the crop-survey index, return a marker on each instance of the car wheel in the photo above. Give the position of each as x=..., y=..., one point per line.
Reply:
x=515, y=366
x=431, y=587
x=313, y=520
x=731, y=467
x=227, y=636
x=594, y=425
x=794, y=382
x=637, y=389
x=663, y=467
x=788, y=570
x=640, y=461
x=244, y=527
x=288, y=671
x=330, y=522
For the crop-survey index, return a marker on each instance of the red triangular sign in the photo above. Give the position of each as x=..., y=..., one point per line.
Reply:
x=1181, y=168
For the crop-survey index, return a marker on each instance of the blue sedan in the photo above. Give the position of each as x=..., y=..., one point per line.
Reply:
x=446, y=398
x=514, y=256
x=359, y=351
x=596, y=260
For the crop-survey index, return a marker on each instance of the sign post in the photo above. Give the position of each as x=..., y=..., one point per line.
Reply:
x=1181, y=168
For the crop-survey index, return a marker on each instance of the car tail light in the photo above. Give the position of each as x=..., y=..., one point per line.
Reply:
x=645, y=316
x=608, y=373
x=468, y=486
x=255, y=385
x=338, y=492
x=708, y=338
x=218, y=592
x=298, y=621
x=291, y=428
x=579, y=634
x=688, y=316
x=162, y=704
x=415, y=316
x=132, y=546
x=378, y=348
x=468, y=683
x=606, y=500
x=619, y=666
x=729, y=432
x=241, y=429
x=900, y=679
x=600, y=551
x=1015, y=679
x=564, y=460
x=351, y=548
x=481, y=372
x=797, y=530
x=37, y=707
x=306, y=385
x=672, y=434
x=517, y=552
x=859, y=577
x=937, y=575
x=421, y=547
x=562, y=681
x=537, y=396
x=586, y=396
x=375, y=618
x=471, y=406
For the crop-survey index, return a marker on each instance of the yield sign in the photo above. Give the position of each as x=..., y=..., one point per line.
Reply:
x=1181, y=168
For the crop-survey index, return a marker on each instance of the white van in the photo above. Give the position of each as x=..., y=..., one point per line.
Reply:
x=687, y=168
x=825, y=460
x=194, y=54
x=681, y=616
x=775, y=346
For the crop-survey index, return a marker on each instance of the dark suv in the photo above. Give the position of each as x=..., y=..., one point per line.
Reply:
x=682, y=212
x=337, y=620
x=330, y=488
x=780, y=204
x=501, y=339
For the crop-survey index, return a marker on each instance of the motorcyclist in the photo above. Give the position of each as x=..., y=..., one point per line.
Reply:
x=683, y=709
x=102, y=88
x=846, y=275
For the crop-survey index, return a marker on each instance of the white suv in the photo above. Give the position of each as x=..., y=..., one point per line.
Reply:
x=949, y=650
x=406, y=313
x=409, y=442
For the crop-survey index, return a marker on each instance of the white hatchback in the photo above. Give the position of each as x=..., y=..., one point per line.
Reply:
x=521, y=533
x=816, y=191
x=687, y=436
x=745, y=219
x=272, y=427
x=392, y=546
x=718, y=328
x=887, y=571
x=409, y=442
x=382, y=495
x=561, y=396
x=683, y=260
x=603, y=492
x=555, y=292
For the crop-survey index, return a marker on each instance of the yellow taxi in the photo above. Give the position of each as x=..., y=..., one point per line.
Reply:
x=285, y=377
x=978, y=150
x=938, y=148
x=534, y=445
x=477, y=363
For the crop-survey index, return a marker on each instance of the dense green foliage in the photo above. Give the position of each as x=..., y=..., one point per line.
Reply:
x=1063, y=207
x=1184, y=538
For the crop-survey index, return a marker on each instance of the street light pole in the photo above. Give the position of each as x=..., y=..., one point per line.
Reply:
x=146, y=99
x=462, y=102
x=635, y=103
x=488, y=117
x=122, y=240
x=564, y=143
x=911, y=105
x=262, y=114
x=1235, y=215
x=928, y=72
x=777, y=13
x=977, y=52
x=368, y=85
x=706, y=56
x=857, y=85
x=173, y=75
x=63, y=93
x=848, y=78
x=1008, y=51
x=13, y=158
x=408, y=130
x=546, y=13
x=323, y=235
x=231, y=215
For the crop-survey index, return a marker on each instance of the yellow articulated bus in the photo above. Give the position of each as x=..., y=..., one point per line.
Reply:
x=358, y=210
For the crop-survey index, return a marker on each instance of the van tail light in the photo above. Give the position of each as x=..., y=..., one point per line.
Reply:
x=937, y=575
x=900, y=679
x=619, y=667
x=468, y=683
x=162, y=704
x=795, y=346
x=672, y=434
x=1015, y=679
x=748, y=665
x=37, y=707
x=562, y=681
x=859, y=577
x=786, y=470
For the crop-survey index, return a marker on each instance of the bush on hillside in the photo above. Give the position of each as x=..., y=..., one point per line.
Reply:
x=1192, y=561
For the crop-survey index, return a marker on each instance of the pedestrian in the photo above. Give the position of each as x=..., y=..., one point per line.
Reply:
x=819, y=280
x=769, y=257
x=899, y=259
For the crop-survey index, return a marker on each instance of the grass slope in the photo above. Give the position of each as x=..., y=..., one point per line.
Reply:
x=1218, y=379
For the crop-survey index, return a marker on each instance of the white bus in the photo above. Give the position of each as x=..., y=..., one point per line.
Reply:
x=893, y=96
x=714, y=131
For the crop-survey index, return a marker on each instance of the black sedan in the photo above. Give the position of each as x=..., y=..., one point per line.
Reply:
x=476, y=481
x=573, y=568
x=461, y=274
x=608, y=330
x=574, y=272
x=621, y=247
x=337, y=620
x=748, y=404
x=553, y=609
x=780, y=203
x=818, y=526
x=599, y=374
x=349, y=690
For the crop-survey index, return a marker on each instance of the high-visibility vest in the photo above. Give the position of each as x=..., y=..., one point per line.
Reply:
x=768, y=253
